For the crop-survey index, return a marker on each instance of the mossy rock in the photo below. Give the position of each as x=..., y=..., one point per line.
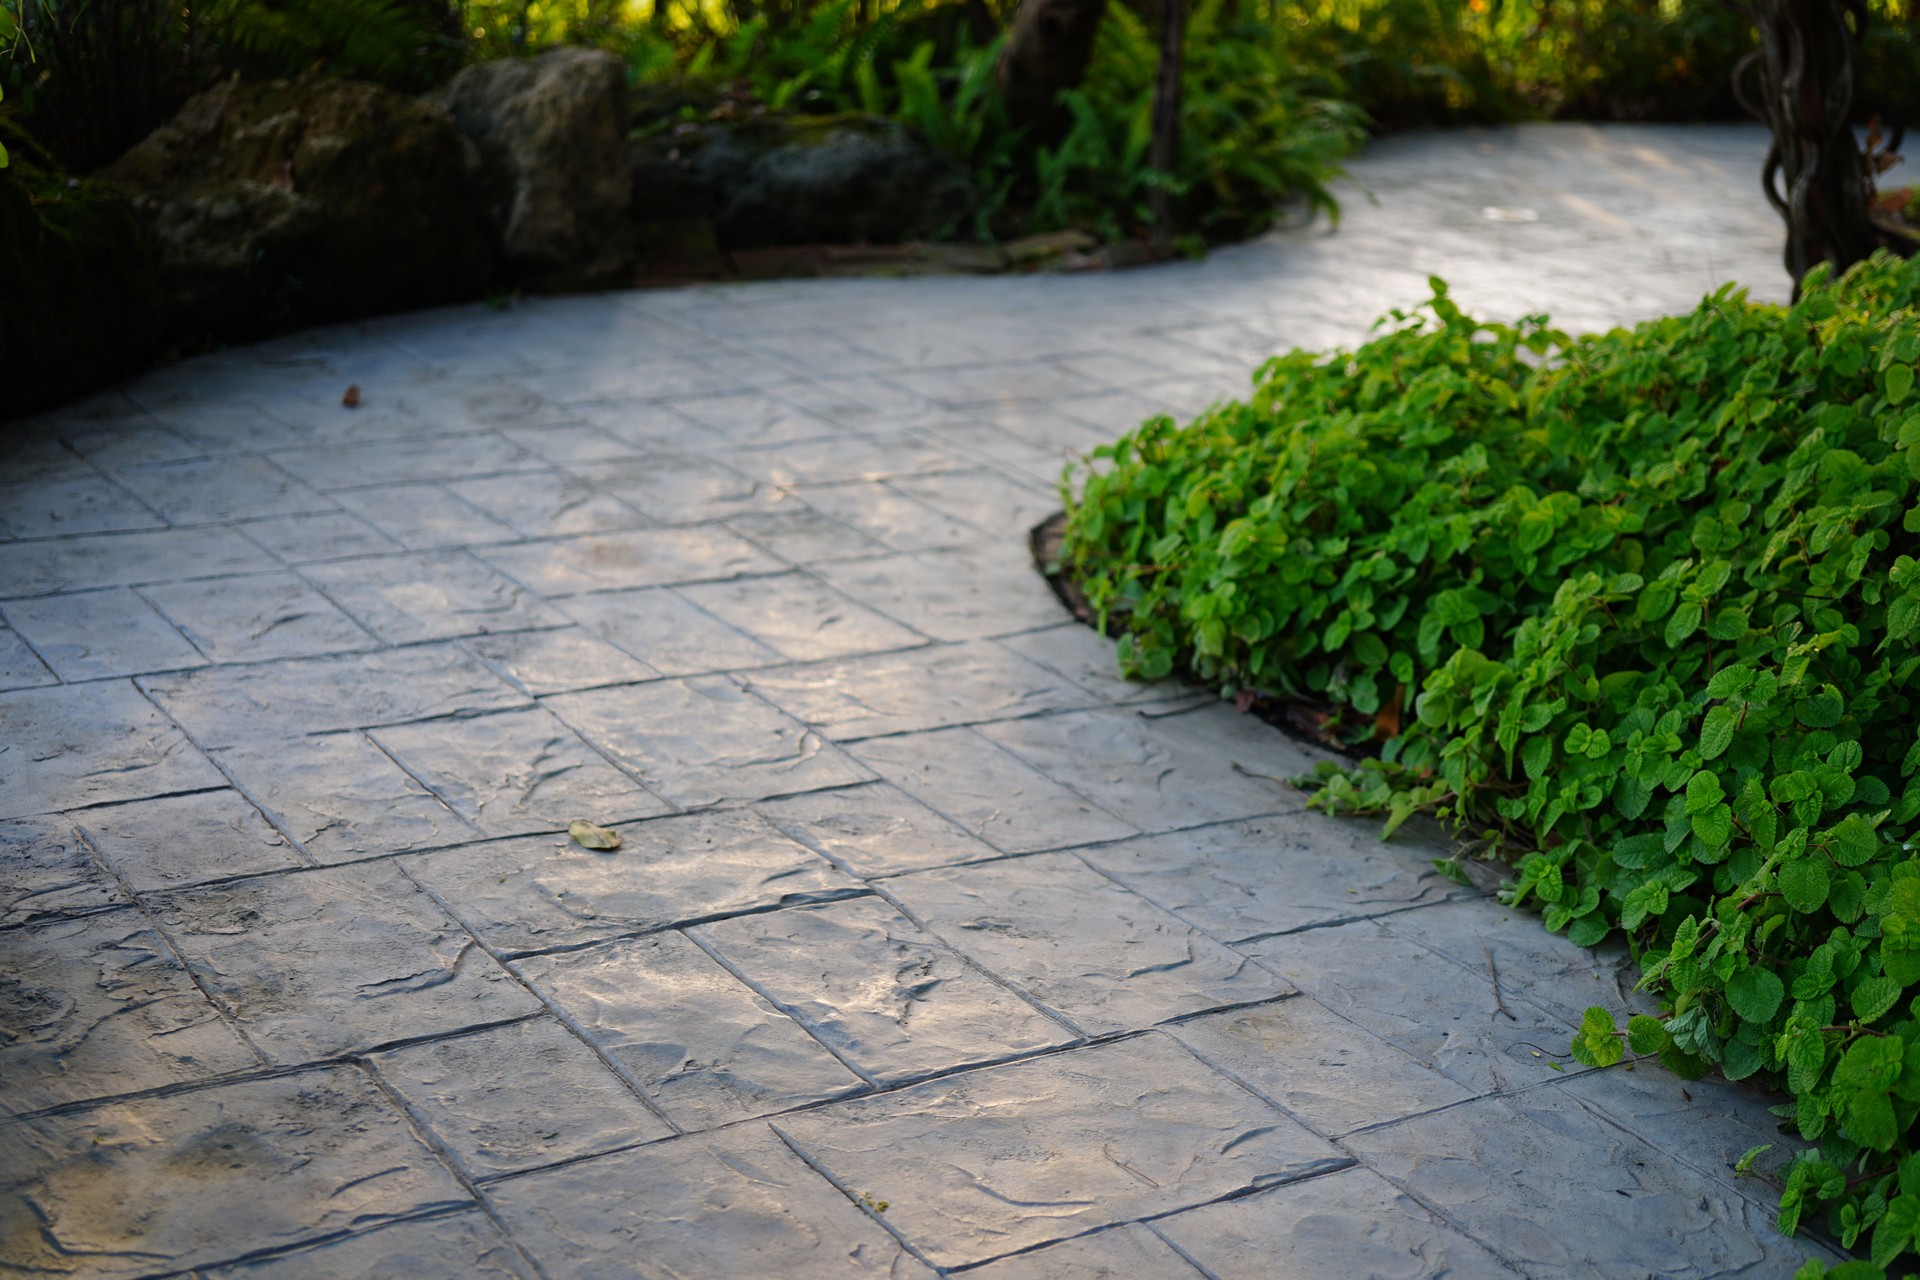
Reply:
x=80, y=296
x=793, y=180
x=285, y=203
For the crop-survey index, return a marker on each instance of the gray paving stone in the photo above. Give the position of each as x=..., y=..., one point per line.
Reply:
x=546, y=503
x=880, y=991
x=989, y=792
x=1266, y=876
x=987, y=499
x=1152, y=773
x=1352, y=1223
x=612, y=561
x=48, y=871
x=957, y=594
x=647, y=426
x=221, y=1173
x=682, y=490
x=426, y=517
x=218, y=489
x=91, y=634
x=97, y=1005
x=925, y=688
x=1440, y=1012
x=134, y=441
x=543, y=662
x=20, y=666
x=518, y=1097
x=517, y=772
x=74, y=745
x=996, y=384
x=755, y=419
x=122, y=559
x=460, y=1246
x=799, y=617
x=705, y=741
x=1542, y=967
x=1708, y=1124
x=846, y=457
x=1080, y=944
x=1320, y=1068
x=261, y=616
x=704, y=1046
x=229, y=705
x=988, y=442
x=874, y=830
x=1085, y=657
x=574, y=444
x=801, y=535
x=314, y=964
x=989, y=1162
x=668, y=632
x=84, y=503
x=541, y=892
x=183, y=840
x=737, y=1203
x=432, y=596
x=1503, y=1169
x=389, y=461
x=887, y=517
x=330, y=535
x=459, y=404
x=341, y=797
x=1129, y=1252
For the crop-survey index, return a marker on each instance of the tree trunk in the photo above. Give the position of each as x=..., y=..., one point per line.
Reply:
x=1047, y=51
x=1164, y=153
x=1815, y=174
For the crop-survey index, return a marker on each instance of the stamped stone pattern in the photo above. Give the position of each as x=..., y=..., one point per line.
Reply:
x=308, y=1155
x=739, y=1203
x=994, y=1161
x=96, y=1006
x=933, y=945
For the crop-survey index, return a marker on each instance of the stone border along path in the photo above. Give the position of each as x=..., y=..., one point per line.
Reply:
x=933, y=947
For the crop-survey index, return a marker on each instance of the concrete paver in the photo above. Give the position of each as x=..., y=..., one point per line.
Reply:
x=932, y=945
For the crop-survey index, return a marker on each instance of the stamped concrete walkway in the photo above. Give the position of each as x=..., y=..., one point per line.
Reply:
x=933, y=948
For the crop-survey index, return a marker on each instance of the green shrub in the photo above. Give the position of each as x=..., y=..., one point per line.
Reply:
x=1643, y=606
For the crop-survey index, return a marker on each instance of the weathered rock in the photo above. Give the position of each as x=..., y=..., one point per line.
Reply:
x=551, y=133
x=289, y=202
x=780, y=180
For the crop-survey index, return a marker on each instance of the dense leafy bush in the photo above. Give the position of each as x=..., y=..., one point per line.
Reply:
x=1257, y=127
x=1409, y=62
x=1643, y=606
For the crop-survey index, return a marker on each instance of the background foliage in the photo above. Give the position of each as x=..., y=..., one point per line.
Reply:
x=1640, y=606
x=1278, y=91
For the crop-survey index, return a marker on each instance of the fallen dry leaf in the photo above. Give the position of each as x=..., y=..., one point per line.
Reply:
x=352, y=398
x=591, y=836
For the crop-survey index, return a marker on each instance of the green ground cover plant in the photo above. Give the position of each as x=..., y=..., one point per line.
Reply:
x=1639, y=607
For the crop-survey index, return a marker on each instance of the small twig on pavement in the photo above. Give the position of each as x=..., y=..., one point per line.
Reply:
x=1493, y=971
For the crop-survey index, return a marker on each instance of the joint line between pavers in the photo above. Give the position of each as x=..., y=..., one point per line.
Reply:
x=967, y=959
x=1325, y=1168
x=454, y=1165
x=858, y=1201
x=692, y=935
x=229, y=1016
x=566, y=1019
x=820, y=898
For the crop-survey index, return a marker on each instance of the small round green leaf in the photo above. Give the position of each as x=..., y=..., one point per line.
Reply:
x=1755, y=994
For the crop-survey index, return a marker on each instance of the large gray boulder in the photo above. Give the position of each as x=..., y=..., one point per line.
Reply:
x=551, y=136
x=293, y=201
x=792, y=180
